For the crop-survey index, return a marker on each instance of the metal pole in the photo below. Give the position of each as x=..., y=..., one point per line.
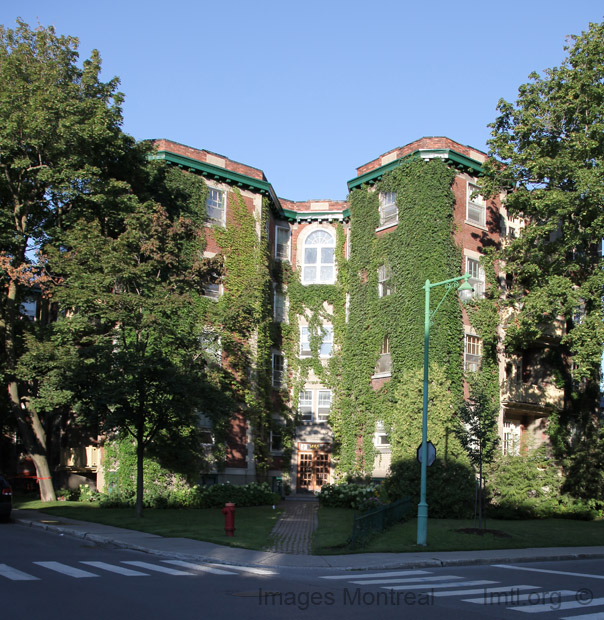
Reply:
x=422, y=507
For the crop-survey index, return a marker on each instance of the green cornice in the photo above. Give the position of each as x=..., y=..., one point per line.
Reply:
x=242, y=181
x=453, y=158
x=301, y=216
x=217, y=173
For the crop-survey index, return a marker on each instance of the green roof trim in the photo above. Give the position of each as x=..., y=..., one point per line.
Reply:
x=452, y=157
x=315, y=215
x=210, y=171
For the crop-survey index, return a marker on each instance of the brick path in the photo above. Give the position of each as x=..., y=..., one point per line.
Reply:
x=293, y=532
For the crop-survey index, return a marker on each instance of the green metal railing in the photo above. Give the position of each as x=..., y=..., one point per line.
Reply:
x=365, y=525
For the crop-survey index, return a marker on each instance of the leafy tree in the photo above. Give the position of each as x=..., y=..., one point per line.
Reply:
x=63, y=158
x=131, y=327
x=476, y=428
x=549, y=150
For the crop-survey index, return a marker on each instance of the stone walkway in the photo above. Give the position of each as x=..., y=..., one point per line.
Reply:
x=293, y=532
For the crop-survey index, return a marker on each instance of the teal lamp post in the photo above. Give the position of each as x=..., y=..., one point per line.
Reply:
x=465, y=291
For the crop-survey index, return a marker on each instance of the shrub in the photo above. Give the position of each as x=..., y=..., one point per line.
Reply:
x=531, y=487
x=362, y=497
x=450, y=487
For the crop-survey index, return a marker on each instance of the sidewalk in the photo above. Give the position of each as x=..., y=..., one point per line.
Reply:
x=291, y=529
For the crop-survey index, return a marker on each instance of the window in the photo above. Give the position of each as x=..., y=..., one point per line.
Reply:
x=388, y=209
x=476, y=277
x=212, y=291
x=325, y=346
x=280, y=307
x=305, y=405
x=206, y=430
x=477, y=210
x=381, y=437
x=282, y=243
x=385, y=284
x=278, y=370
x=304, y=342
x=511, y=439
x=324, y=405
x=276, y=441
x=319, y=258
x=216, y=207
x=314, y=405
x=472, y=353
x=211, y=347
x=384, y=363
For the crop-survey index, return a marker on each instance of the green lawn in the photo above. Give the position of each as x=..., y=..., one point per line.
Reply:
x=252, y=525
x=335, y=526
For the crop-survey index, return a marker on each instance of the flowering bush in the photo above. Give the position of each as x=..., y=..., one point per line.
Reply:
x=362, y=497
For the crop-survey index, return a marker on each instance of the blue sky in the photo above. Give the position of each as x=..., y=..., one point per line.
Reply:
x=308, y=91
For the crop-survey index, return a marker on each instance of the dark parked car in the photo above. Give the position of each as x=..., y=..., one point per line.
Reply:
x=6, y=499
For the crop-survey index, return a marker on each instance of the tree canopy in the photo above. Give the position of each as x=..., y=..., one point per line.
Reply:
x=548, y=151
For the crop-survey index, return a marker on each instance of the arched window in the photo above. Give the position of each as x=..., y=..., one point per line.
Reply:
x=319, y=259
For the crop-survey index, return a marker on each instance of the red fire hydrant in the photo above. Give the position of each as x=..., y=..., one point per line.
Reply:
x=229, y=519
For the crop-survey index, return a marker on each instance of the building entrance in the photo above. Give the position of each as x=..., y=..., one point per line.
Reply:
x=313, y=469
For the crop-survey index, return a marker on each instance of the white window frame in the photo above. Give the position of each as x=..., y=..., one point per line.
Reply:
x=381, y=434
x=319, y=264
x=279, y=370
x=216, y=201
x=472, y=352
x=385, y=284
x=510, y=446
x=388, y=209
x=476, y=207
x=323, y=409
x=314, y=405
x=282, y=254
x=306, y=406
x=280, y=308
x=325, y=346
x=477, y=277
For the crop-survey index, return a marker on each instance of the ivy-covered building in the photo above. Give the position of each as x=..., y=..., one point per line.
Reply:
x=314, y=316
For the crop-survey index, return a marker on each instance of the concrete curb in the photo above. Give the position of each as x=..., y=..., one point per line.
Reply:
x=198, y=551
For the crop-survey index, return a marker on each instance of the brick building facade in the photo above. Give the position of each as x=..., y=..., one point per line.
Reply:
x=307, y=236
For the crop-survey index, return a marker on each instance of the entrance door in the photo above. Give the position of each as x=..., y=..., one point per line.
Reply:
x=313, y=471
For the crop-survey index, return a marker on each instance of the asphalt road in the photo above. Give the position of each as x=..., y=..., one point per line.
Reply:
x=45, y=575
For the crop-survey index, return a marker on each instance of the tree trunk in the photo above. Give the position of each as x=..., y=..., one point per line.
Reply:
x=30, y=426
x=140, y=460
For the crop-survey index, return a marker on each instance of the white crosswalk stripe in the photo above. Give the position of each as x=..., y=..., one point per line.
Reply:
x=535, y=609
x=450, y=584
x=199, y=567
x=419, y=580
x=510, y=598
x=396, y=573
x=15, y=575
x=112, y=568
x=494, y=590
x=157, y=568
x=64, y=569
x=190, y=569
